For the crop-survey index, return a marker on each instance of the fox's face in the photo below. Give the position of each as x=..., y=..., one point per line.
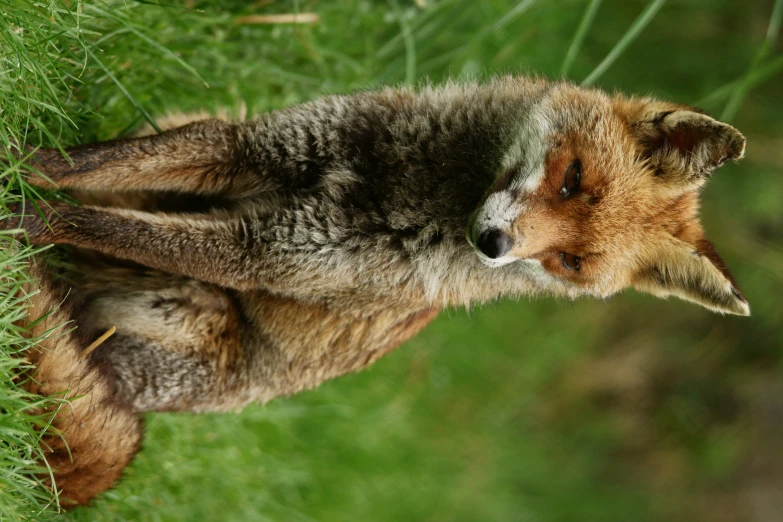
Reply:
x=598, y=194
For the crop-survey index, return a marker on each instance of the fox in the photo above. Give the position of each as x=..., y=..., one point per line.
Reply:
x=241, y=261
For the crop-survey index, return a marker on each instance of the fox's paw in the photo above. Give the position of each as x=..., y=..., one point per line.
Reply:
x=31, y=162
x=41, y=222
x=44, y=167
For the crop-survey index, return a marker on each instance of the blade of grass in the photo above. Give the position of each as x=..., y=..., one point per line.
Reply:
x=579, y=36
x=512, y=14
x=410, y=44
x=754, y=78
x=630, y=35
x=418, y=22
x=124, y=91
x=162, y=49
x=743, y=86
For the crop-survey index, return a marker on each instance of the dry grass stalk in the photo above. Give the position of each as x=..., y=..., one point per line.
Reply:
x=100, y=340
x=289, y=18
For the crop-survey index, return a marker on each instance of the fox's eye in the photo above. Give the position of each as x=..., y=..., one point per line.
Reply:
x=570, y=261
x=573, y=176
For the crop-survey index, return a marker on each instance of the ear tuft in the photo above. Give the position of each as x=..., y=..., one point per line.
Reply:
x=711, y=142
x=683, y=145
x=673, y=269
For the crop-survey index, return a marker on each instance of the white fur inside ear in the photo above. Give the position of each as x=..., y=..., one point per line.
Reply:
x=676, y=269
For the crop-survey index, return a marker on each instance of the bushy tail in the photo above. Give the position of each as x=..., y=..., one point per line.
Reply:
x=95, y=436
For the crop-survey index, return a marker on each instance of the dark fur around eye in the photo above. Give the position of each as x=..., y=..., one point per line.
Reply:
x=573, y=176
x=570, y=261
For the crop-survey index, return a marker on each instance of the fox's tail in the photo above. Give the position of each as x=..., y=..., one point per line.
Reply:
x=95, y=435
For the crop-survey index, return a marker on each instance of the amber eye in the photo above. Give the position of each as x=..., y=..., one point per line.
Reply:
x=572, y=178
x=570, y=261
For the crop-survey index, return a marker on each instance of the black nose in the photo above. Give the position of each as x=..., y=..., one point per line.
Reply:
x=494, y=243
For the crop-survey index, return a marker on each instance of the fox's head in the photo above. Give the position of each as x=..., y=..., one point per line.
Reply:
x=599, y=193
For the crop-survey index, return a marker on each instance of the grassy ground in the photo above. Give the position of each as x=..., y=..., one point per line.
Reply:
x=632, y=408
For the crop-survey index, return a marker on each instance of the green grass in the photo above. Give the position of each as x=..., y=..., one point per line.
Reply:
x=22, y=493
x=629, y=409
x=36, y=53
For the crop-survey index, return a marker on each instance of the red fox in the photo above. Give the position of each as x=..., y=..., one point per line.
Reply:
x=260, y=258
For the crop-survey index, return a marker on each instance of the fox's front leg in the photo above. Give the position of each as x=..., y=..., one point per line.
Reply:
x=232, y=252
x=212, y=250
x=205, y=157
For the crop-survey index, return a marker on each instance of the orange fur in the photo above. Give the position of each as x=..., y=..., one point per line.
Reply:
x=93, y=435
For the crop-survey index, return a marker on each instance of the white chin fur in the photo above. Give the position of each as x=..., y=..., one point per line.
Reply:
x=495, y=263
x=488, y=261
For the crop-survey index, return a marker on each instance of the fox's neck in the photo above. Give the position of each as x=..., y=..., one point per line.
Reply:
x=403, y=171
x=448, y=149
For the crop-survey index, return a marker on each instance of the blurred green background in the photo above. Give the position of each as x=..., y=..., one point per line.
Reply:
x=627, y=409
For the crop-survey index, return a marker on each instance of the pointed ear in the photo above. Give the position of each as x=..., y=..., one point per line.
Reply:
x=683, y=145
x=694, y=273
